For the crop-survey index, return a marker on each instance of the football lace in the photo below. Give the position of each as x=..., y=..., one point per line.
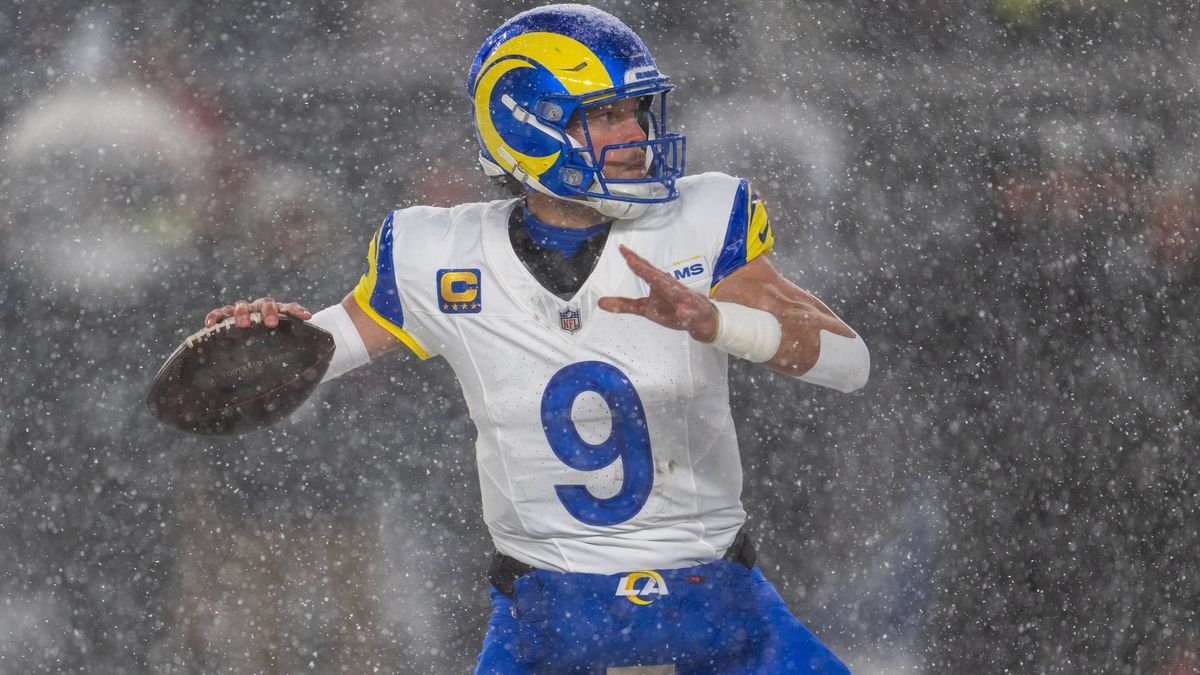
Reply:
x=205, y=334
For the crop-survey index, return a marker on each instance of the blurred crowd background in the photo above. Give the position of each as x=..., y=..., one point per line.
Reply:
x=1000, y=194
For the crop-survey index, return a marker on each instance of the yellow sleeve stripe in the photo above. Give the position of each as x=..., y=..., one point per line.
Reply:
x=362, y=296
x=759, y=238
x=389, y=297
x=368, y=280
x=747, y=235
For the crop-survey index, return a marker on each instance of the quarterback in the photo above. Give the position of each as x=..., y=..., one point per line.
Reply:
x=589, y=319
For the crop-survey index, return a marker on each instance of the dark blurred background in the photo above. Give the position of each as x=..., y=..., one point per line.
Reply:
x=1000, y=194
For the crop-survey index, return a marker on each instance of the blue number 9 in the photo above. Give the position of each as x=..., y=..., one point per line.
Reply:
x=629, y=441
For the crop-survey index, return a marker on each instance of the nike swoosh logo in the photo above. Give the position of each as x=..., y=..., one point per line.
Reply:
x=576, y=69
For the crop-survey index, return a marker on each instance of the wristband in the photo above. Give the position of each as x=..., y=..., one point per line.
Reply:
x=746, y=332
x=349, y=351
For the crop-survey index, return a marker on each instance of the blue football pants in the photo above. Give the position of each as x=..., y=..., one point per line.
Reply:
x=789, y=647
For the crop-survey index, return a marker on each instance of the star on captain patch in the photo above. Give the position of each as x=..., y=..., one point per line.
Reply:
x=568, y=320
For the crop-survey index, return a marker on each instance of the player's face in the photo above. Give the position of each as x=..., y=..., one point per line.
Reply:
x=612, y=124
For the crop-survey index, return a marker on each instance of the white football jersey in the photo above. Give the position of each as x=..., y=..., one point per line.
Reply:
x=605, y=442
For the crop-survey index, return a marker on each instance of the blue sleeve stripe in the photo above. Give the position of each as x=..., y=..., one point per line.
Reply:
x=385, y=297
x=733, y=253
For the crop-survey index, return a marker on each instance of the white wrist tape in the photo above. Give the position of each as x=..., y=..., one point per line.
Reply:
x=746, y=332
x=349, y=352
x=843, y=364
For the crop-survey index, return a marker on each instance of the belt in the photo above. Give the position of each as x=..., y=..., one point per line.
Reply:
x=504, y=570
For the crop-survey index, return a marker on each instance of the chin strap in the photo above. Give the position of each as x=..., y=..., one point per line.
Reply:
x=606, y=207
x=617, y=209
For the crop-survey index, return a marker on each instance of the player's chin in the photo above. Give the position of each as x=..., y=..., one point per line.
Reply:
x=628, y=172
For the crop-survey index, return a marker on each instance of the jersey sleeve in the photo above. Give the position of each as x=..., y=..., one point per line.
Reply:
x=747, y=236
x=378, y=292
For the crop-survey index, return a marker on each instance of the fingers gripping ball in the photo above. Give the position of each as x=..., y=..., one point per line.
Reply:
x=228, y=380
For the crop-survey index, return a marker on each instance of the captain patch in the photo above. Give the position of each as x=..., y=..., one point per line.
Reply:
x=459, y=291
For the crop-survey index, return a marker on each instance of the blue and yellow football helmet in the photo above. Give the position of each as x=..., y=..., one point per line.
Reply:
x=541, y=71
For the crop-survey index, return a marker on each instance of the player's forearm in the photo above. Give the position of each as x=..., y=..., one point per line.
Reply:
x=349, y=351
x=356, y=337
x=377, y=340
x=771, y=320
x=795, y=337
x=819, y=348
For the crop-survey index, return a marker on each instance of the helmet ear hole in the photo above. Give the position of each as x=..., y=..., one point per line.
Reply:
x=573, y=177
x=553, y=112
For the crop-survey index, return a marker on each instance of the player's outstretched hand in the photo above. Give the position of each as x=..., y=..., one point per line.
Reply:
x=268, y=307
x=669, y=304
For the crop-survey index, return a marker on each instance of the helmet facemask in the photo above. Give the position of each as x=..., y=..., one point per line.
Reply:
x=583, y=168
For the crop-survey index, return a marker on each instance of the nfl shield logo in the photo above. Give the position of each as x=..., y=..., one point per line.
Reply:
x=569, y=319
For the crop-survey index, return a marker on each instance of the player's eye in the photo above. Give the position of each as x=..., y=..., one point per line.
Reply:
x=613, y=114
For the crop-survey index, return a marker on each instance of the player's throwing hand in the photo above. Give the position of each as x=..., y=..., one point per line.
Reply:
x=268, y=307
x=669, y=303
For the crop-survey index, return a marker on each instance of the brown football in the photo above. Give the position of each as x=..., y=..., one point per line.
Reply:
x=228, y=380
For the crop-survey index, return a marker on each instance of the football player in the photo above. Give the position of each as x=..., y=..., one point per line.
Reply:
x=588, y=320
